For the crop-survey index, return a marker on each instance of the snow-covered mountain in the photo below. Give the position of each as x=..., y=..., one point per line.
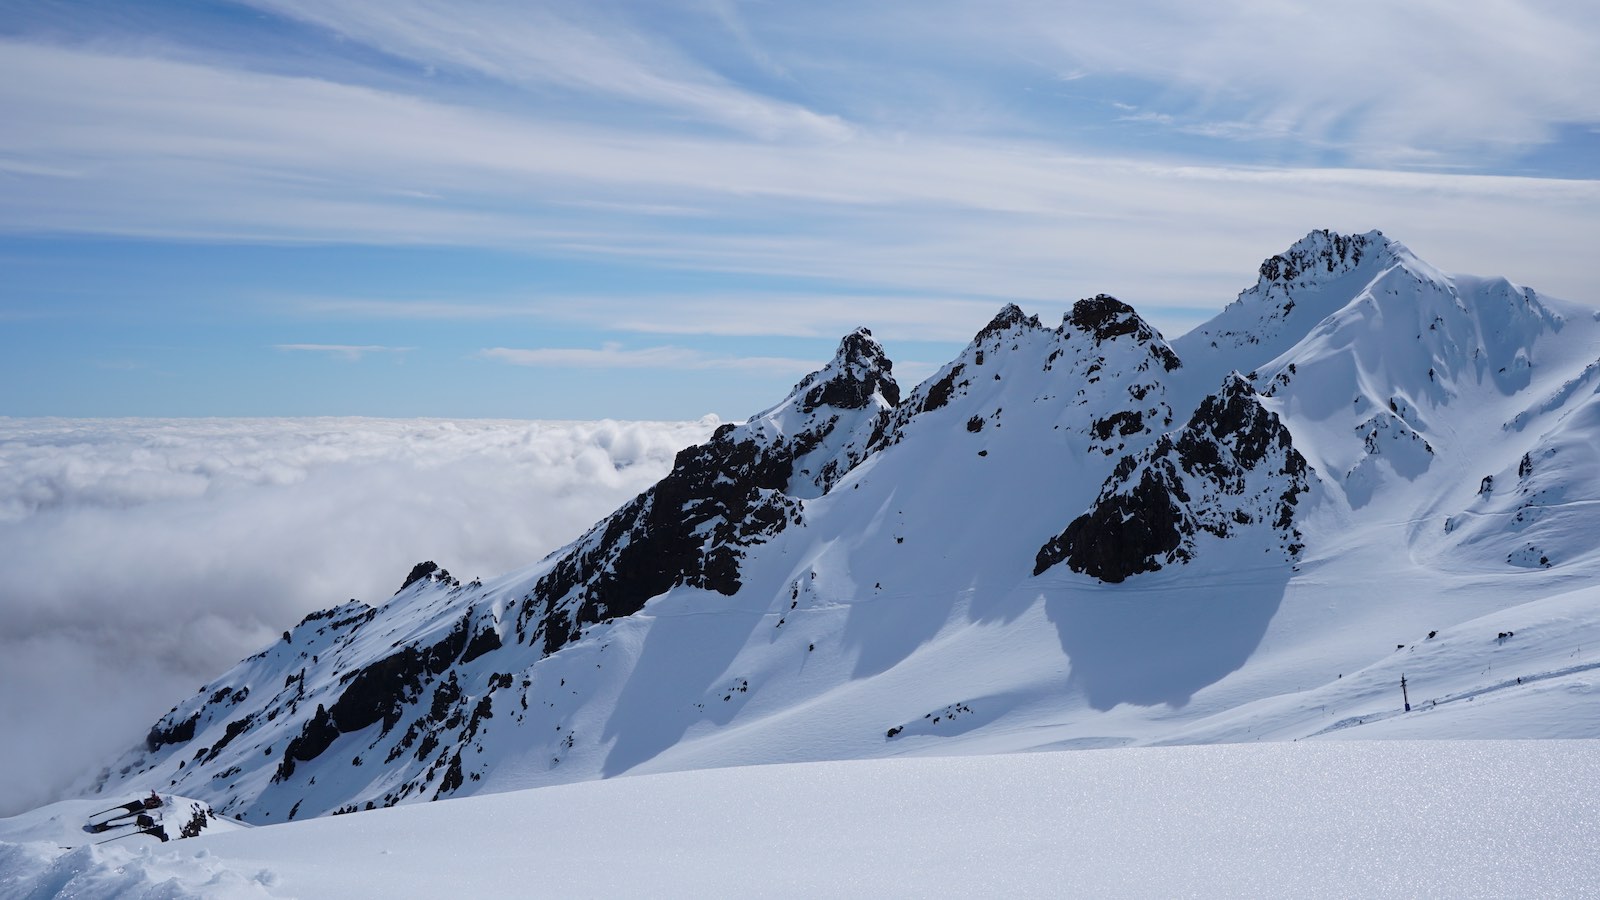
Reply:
x=1069, y=536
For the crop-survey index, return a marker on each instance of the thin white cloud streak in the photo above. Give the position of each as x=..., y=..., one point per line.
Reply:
x=614, y=356
x=1394, y=82
x=143, y=557
x=750, y=314
x=578, y=47
x=1391, y=82
x=1431, y=81
x=183, y=150
x=350, y=352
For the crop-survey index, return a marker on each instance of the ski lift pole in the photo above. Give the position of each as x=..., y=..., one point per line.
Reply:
x=1403, y=695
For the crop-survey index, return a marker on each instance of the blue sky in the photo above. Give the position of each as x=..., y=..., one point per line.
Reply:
x=642, y=210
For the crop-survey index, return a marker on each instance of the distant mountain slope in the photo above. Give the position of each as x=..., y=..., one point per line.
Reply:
x=1068, y=536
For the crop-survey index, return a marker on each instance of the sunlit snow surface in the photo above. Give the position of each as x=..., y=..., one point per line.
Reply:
x=1373, y=819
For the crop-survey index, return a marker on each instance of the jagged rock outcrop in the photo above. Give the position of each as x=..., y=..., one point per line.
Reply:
x=1319, y=254
x=1232, y=466
x=1104, y=318
x=738, y=489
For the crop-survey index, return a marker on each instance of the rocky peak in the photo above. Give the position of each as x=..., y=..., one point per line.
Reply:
x=1233, y=414
x=858, y=371
x=1319, y=255
x=1295, y=290
x=1104, y=318
x=1010, y=316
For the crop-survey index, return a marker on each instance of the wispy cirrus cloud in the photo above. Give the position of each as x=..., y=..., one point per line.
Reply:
x=614, y=356
x=745, y=314
x=1372, y=82
x=1421, y=81
x=586, y=48
x=351, y=352
x=204, y=152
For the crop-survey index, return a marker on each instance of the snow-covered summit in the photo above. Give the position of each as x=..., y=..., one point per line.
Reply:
x=1080, y=535
x=1321, y=256
x=1294, y=291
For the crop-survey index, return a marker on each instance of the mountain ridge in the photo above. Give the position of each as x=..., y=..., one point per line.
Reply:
x=848, y=563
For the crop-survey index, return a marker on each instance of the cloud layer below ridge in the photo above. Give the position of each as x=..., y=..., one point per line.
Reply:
x=145, y=556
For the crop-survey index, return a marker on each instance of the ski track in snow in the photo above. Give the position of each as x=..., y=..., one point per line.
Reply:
x=1446, y=699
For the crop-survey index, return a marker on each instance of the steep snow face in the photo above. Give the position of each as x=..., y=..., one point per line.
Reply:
x=1535, y=512
x=1295, y=290
x=1233, y=467
x=1022, y=552
x=1437, y=398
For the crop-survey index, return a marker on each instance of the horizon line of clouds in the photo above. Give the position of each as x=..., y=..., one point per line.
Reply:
x=210, y=536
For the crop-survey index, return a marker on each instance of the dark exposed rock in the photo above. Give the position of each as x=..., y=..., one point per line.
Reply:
x=233, y=730
x=380, y=691
x=730, y=488
x=1322, y=250
x=1104, y=318
x=720, y=497
x=176, y=733
x=865, y=371
x=940, y=392
x=196, y=823
x=1233, y=456
x=1010, y=316
x=318, y=734
x=1123, y=423
x=1127, y=531
x=452, y=779
x=445, y=698
x=418, y=572
x=484, y=641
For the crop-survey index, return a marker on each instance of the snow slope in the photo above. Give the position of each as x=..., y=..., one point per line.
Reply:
x=1456, y=819
x=1069, y=537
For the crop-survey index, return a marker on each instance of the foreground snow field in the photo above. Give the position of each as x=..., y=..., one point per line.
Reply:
x=1374, y=819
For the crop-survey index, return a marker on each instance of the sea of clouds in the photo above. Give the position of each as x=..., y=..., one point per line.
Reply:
x=141, y=557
